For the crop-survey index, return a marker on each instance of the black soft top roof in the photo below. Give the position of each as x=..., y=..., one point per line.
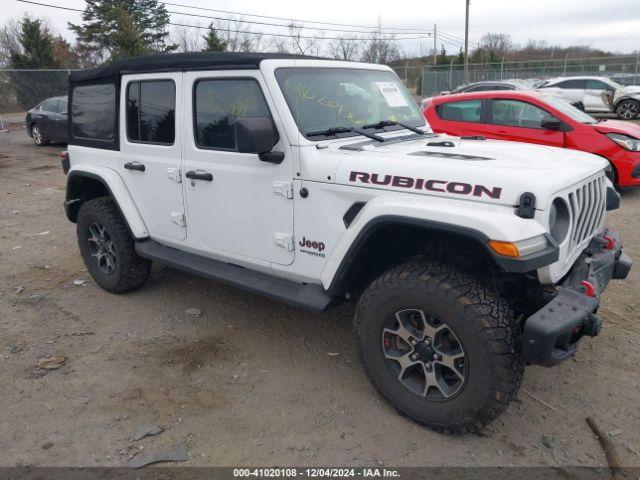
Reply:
x=181, y=62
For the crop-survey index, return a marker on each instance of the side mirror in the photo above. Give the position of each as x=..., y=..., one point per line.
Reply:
x=258, y=135
x=551, y=124
x=255, y=134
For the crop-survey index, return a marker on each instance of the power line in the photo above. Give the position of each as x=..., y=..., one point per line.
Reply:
x=302, y=27
x=247, y=32
x=372, y=27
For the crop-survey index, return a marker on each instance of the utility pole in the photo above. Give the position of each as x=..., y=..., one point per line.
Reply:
x=435, y=43
x=466, y=44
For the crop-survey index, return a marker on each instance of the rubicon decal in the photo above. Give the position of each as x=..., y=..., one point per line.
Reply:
x=312, y=247
x=444, y=186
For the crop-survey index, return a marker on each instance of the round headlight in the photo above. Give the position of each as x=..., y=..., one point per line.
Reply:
x=559, y=220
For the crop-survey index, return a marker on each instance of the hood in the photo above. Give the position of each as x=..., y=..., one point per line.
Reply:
x=618, y=126
x=480, y=170
x=631, y=89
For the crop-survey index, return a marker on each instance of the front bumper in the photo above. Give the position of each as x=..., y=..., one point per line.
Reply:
x=551, y=335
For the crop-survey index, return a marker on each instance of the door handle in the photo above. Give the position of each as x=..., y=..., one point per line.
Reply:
x=199, y=175
x=134, y=166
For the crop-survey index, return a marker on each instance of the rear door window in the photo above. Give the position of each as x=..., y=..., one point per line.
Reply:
x=93, y=112
x=151, y=107
x=571, y=85
x=464, y=111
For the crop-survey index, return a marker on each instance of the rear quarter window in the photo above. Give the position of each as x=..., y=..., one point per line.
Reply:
x=93, y=112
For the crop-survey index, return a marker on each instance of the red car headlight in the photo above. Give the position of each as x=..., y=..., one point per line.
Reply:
x=625, y=141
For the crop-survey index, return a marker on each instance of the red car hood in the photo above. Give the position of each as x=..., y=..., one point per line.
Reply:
x=618, y=126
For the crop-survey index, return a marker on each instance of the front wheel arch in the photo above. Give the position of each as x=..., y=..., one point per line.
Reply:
x=363, y=261
x=622, y=101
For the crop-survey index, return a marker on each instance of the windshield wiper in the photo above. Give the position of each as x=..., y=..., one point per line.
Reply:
x=389, y=123
x=331, y=132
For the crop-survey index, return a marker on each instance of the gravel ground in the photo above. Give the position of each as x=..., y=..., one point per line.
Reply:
x=251, y=381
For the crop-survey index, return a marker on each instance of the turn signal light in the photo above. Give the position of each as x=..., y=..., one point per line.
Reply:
x=507, y=249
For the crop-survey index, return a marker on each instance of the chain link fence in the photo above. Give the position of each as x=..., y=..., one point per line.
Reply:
x=435, y=79
x=21, y=90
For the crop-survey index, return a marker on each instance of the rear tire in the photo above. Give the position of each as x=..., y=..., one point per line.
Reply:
x=107, y=247
x=481, y=337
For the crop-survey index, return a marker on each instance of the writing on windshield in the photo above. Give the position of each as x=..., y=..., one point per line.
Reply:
x=330, y=99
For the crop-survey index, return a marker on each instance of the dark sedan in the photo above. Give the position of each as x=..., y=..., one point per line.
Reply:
x=47, y=122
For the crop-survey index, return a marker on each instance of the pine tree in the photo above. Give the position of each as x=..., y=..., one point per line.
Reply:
x=37, y=50
x=124, y=28
x=36, y=44
x=442, y=58
x=213, y=43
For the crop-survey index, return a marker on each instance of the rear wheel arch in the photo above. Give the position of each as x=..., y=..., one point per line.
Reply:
x=83, y=186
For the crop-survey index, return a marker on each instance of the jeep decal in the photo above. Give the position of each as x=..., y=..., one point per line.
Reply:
x=445, y=186
x=312, y=247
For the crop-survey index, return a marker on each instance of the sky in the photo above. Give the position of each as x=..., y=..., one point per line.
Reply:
x=612, y=25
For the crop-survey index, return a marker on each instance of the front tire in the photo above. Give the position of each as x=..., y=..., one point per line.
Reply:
x=439, y=345
x=38, y=138
x=108, y=249
x=628, y=109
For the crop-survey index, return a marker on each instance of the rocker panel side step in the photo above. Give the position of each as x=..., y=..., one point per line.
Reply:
x=304, y=295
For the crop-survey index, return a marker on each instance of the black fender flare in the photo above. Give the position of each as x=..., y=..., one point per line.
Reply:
x=516, y=265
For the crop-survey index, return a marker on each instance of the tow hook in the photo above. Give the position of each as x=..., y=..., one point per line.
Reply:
x=589, y=289
x=610, y=242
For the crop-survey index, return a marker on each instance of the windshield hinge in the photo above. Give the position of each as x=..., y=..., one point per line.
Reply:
x=284, y=189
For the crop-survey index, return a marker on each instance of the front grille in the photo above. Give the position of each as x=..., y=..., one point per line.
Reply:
x=587, y=204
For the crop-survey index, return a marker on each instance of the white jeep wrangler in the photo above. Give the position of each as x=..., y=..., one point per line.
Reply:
x=315, y=182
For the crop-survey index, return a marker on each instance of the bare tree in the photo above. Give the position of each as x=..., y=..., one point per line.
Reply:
x=493, y=47
x=187, y=37
x=379, y=49
x=9, y=40
x=238, y=37
x=345, y=48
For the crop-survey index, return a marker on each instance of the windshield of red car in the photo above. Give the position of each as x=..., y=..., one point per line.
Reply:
x=569, y=110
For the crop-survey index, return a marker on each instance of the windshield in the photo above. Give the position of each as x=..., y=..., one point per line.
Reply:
x=569, y=110
x=340, y=99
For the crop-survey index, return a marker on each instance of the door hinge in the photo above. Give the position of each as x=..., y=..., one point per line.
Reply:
x=179, y=219
x=285, y=241
x=174, y=174
x=284, y=189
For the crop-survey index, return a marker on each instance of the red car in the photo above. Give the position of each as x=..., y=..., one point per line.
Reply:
x=533, y=117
